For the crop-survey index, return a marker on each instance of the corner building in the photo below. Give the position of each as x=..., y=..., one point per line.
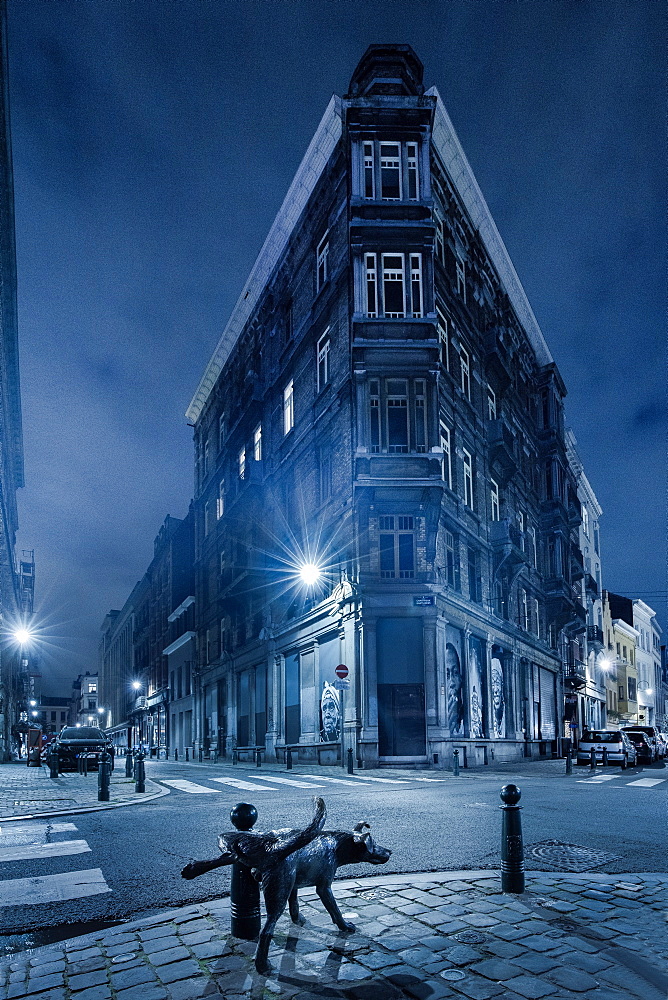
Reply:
x=382, y=402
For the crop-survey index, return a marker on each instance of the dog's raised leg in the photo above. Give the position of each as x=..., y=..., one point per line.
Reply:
x=293, y=903
x=327, y=897
x=276, y=894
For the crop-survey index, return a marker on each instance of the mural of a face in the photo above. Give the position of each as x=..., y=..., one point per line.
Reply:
x=330, y=714
x=455, y=690
x=498, y=700
x=475, y=680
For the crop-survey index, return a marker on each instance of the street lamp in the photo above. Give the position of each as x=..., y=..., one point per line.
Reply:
x=310, y=574
x=22, y=635
x=136, y=685
x=605, y=664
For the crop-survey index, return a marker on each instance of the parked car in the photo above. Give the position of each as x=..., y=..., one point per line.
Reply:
x=644, y=750
x=662, y=740
x=650, y=732
x=76, y=740
x=621, y=750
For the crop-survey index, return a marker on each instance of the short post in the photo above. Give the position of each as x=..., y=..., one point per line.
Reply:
x=103, y=776
x=258, y=755
x=569, y=761
x=201, y=755
x=176, y=753
x=187, y=754
x=350, y=760
x=129, y=763
x=455, y=763
x=53, y=764
x=512, y=848
x=605, y=756
x=288, y=758
x=235, y=755
x=244, y=890
x=140, y=773
x=592, y=759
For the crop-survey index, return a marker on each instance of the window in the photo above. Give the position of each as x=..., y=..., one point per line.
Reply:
x=221, y=431
x=374, y=414
x=536, y=615
x=394, y=305
x=206, y=458
x=390, y=171
x=242, y=463
x=524, y=610
x=585, y=520
x=322, y=351
x=371, y=285
x=322, y=256
x=397, y=548
x=209, y=518
x=465, y=370
x=451, y=560
x=412, y=164
x=468, y=479
x=534, y=549
x=220, y=503
x=443, y=343
x=624, y=652
x=257, y=443
x=288, y=407
x=416, y=284
x=475, y=584
x=621, y=692
x=494, y=495
x=369, y=173
x=397, y=416
x=596, y=541
x=460, y=271
x=447, y=454
x=619, y=653
x=420, y=416
x=440, y=237
x=491, y=403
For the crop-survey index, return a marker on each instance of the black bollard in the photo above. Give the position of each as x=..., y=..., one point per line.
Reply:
x=258, y=753
x=455, y=763
x=605, y=756
x=244, y=890
x=187, y=754
x=512, y=848
x=53, y=764
x=103, y=776
x=176, y=753
x=350, y=760
x=288, y=758
x=235, y=755
x=140, y=773
x=129, y=764
x=569, y=761
x=592, y=759
x=201, y=755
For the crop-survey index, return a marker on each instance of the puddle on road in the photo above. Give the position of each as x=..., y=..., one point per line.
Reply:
x=11, y=943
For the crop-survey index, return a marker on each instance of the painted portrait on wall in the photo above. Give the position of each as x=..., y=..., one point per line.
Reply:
x=330, y=714
x=476, y=694
x=498, y=699
x=455, y=691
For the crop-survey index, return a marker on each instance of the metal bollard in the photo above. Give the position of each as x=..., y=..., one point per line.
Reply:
x=512, y=848
x=592, y=759
x=244, y=890
x=53, y=765
x=288, y=758
x=350, y=760
x=103, y=777
x=187, y=754
x=176, y=753
x=569, y=761
x=605, y=756
x=258, y=754
x=455, y=763
x=140, y=774
x=201, y=755
x=235, y=756
x=129, y=764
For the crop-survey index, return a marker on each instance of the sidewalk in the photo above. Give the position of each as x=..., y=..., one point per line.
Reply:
x=29, y=792
x=420, y=937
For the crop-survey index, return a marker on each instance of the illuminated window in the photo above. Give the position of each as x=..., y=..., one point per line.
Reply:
x=468, y=479
x=322, y=257
x=322, y=351
x=494, y=495
x=257, y=443
x=447, y=454
x=288, y=407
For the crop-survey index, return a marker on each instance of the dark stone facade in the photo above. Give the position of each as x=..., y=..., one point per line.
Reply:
x=382, y=403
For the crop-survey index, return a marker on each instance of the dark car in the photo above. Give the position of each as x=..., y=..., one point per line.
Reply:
x=75, y=741
x=644, y=749
x=651, y=734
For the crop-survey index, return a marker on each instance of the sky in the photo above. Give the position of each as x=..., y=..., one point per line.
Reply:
x=153, y=143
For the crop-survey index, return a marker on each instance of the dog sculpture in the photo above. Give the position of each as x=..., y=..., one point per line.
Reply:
x=312, y=863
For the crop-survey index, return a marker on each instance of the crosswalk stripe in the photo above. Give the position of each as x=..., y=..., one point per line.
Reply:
x=59, y=848
x=31, y=833
x=388, y=781
x=291, y=781
x=246, y=786
x=189, y=786
x=338, y=781
x=647, y=782
x=52, y=888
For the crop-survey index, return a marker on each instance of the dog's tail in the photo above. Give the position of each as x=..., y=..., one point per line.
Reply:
x=300, y=838
x=196, y=868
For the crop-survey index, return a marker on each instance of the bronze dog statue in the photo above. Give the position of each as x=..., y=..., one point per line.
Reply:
x=285, y=861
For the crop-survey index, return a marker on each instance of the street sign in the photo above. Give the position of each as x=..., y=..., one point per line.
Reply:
x=424, y=601
x=341, y=671
x=342, y=684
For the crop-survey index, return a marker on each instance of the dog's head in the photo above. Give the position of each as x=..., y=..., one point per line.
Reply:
x=366, y=849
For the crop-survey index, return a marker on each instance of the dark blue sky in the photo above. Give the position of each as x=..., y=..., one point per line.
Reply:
x=153, y=144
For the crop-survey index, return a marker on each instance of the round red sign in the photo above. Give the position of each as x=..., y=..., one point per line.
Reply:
x=341, y=671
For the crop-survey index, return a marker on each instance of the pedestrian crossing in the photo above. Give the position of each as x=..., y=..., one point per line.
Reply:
x=32, y=842
x=600, y=779
x=277, y=783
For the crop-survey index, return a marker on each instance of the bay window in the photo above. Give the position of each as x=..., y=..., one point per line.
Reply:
x=398, y=290
x=389, y=170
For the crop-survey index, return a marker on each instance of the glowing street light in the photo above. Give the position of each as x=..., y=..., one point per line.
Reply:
x=22, y=635
x=136, y=685
x=310, y=574
x=34, y=713
x=605, y=664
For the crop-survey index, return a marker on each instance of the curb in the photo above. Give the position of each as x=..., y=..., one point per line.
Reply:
x=89, y=809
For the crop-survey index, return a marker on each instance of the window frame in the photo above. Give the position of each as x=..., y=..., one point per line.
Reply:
x=322, y=262
x=495, y=500
x=465, y=371
x=467, y=480
x=443, y=338
x=257, y=443
x=397, y=532
x=241, y=463
x=445, y=435
x=220, y=500
x=323, y=347
x=288, y=407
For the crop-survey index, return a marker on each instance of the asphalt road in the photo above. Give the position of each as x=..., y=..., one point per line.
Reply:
x=431, y=822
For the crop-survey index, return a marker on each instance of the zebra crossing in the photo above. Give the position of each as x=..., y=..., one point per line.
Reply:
x=600, y=779
x=276, y=783
x=31, y=841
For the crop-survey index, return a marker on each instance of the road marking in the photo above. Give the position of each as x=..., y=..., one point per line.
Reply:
x=188, y=786
x=57, y=849
x=646, y=782
x=387, y=781
x=599, y=779
x=338, y=781
x=52, y=888
x=31, y=833
x=291, y=781
x=246, y=786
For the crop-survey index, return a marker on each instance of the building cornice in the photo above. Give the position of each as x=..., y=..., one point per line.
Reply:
x=181, y=641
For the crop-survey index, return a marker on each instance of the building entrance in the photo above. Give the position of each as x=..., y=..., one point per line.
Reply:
x=400, y=674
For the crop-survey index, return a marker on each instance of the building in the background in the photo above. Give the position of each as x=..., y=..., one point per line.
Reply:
x=648, y=664
x=382, y=405
x=54, y=713
x=586, y=695
x=118, y=676
x=663, y=722
x=86, y=708
x=14, y=657
x=622, y=678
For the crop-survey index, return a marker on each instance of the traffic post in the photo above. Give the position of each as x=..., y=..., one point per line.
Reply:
x=512, y=846
x=342, y=684
x=244, y=889
x=129, y=763
x=103, y=777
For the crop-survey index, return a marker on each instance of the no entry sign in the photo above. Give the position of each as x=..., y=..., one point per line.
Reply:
x=341, y=671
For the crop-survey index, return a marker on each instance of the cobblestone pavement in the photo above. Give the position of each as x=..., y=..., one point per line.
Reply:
x=420, y=937
x=27, y=792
